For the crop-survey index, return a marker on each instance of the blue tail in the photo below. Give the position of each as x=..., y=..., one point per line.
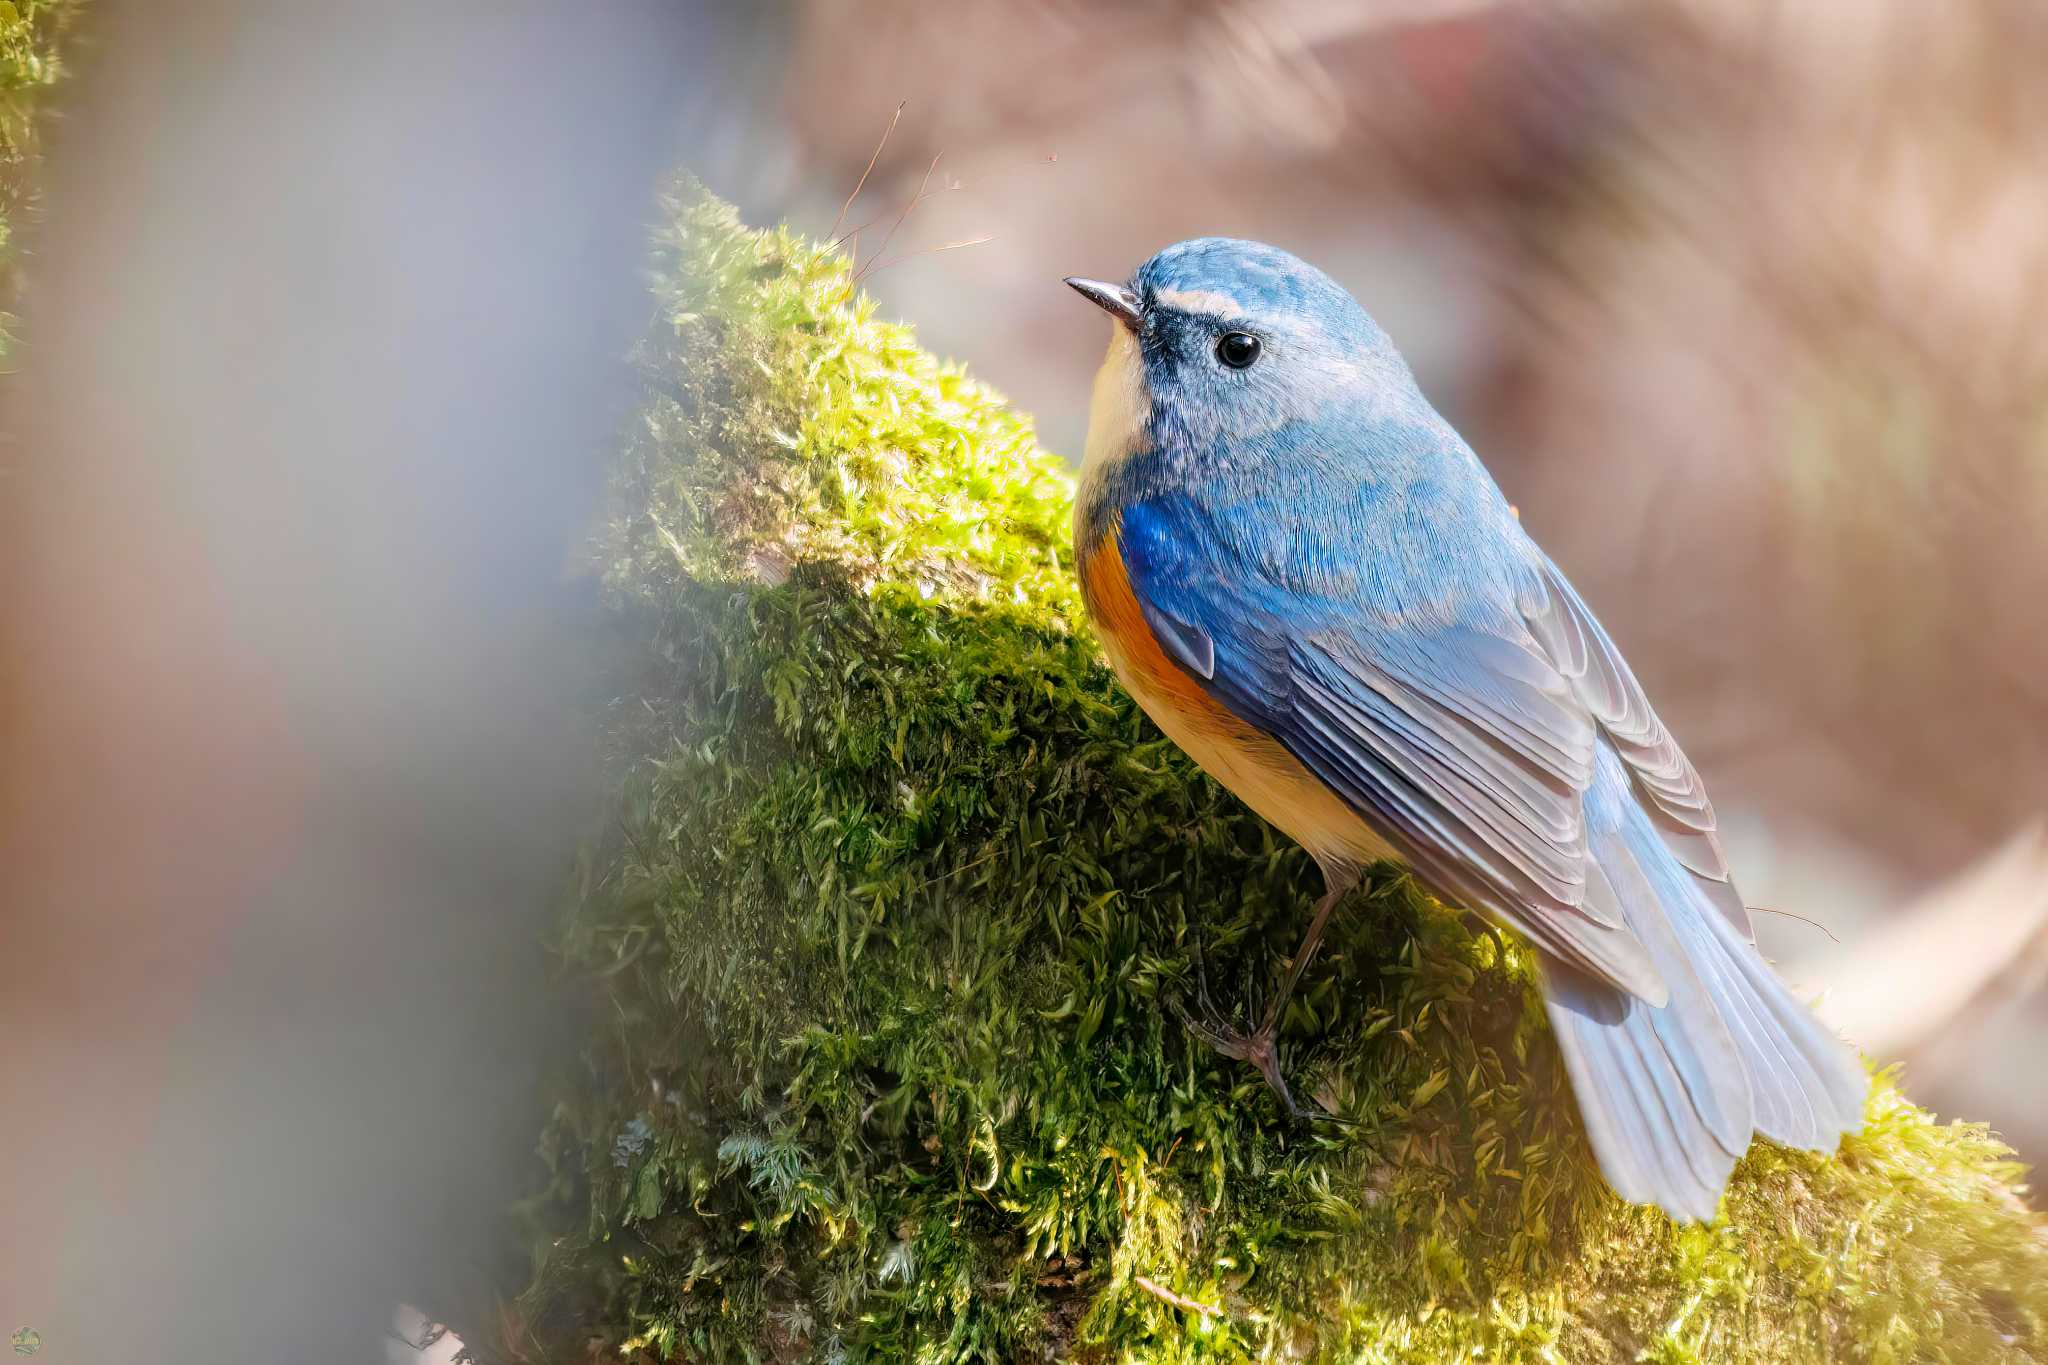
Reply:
x=1672, y=1095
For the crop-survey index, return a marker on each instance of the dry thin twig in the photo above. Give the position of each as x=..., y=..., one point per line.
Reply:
x=861, y=183
x=915, y=200
x=1788, y=914
x=952, y=185
x=842, y=235
x=1180, y=1301
x=876, y=267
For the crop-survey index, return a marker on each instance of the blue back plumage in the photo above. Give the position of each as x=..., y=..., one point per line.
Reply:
x=1324, y=552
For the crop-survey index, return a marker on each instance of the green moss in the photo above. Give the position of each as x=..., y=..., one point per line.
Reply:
x=30, y=34
x=896, y=905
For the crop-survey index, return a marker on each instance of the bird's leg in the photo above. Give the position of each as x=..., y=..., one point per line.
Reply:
x=1259, y=1046
x=1210, y=1013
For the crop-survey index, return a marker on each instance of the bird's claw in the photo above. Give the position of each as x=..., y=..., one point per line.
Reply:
x=1258, y=1047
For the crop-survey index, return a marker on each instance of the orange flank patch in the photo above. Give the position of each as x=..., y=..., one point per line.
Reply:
x=1134, y=651
x=1243, y=758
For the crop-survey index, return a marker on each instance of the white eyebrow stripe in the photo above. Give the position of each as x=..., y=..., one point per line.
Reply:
x=1200, y=301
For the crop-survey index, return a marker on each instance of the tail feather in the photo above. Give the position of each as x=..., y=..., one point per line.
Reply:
x=1819, y=1079
x=1701, y=1057
x=1670, y=1095
x=1652, y=1150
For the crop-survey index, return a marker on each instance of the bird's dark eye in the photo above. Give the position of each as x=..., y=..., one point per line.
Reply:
x=1237, y=349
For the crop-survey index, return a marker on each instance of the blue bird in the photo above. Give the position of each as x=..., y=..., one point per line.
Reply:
x=1311, y=584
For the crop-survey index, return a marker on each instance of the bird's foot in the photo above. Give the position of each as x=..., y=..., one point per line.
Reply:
x=1259, y=1047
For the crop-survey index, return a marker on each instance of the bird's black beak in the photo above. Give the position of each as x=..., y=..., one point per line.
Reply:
x=1114, y=299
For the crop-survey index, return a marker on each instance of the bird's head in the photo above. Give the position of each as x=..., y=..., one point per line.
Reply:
x=1217, y=342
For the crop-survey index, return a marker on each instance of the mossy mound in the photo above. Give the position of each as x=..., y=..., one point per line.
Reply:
x=887, y=930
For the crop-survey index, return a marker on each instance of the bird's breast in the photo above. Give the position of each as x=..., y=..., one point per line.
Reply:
x=1243, y=758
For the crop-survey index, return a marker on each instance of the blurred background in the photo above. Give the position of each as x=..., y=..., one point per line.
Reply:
x=322, y=328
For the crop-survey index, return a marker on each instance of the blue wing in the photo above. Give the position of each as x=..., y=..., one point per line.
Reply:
x=1465, y=702
x=1668, y=786
x=1463, y=733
